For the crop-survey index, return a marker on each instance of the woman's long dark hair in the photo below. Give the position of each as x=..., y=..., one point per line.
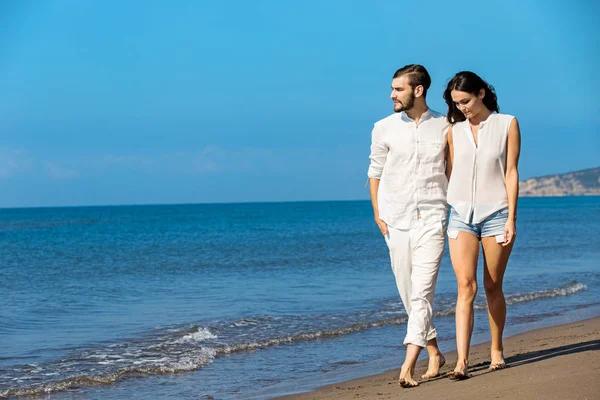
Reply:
x=469, y=82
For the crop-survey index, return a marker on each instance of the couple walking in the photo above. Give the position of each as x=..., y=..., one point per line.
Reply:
x=423, y=161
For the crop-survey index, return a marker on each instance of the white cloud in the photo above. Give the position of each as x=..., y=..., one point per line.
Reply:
x=128, y=160
x=57, y=171
x=209, y=159
x=13, y=161
x=200, y=162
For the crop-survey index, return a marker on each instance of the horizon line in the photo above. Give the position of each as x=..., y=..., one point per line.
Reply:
x=237, y=203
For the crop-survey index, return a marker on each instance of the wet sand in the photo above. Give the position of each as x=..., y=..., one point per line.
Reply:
x=560, y=362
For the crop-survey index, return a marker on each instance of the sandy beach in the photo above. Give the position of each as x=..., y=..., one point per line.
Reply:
x=559, y=362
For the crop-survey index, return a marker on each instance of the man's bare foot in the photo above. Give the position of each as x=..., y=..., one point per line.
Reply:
x=497, y=360
x=436, y=362
x=405, y=379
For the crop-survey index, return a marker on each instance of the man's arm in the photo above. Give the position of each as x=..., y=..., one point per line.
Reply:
x=378, y=156
x=374, y=187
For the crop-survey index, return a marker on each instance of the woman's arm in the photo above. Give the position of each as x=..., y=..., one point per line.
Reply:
x=512, y=179
x=449, y=154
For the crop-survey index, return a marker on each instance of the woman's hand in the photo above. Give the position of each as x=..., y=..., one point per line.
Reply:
x=510, y=231
x=382, y=226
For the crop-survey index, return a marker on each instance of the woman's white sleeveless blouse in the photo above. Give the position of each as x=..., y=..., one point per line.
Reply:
x=477, y=185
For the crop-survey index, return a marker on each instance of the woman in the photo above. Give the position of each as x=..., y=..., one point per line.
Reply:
x=483, y=188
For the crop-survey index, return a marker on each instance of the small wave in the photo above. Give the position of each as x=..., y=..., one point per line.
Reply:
x=188, y=361
x=565, y=290
x=200, y=335
x=309, y=336
x=391, y=308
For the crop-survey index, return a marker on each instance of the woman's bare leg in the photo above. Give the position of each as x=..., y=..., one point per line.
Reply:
x=495, y=260
x=464, y=251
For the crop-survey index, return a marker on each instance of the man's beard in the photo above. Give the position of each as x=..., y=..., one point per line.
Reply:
x=407, y=105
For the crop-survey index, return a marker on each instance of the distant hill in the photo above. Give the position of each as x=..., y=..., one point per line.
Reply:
x=579, y=183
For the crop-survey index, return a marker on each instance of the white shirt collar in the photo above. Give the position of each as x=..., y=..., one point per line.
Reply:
x=425, y=116
x=489, y=118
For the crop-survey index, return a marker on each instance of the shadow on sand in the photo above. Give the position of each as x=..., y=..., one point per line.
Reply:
x=529, y=358
x=540, y=355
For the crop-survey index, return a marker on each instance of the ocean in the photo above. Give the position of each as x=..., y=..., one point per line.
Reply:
x=247, y=301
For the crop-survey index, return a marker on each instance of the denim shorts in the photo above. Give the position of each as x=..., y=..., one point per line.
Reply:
x=491, y=226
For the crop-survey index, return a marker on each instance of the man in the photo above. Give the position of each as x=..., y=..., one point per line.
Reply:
x=408, y=192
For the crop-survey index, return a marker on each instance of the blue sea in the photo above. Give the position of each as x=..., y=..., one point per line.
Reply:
x=246, y=301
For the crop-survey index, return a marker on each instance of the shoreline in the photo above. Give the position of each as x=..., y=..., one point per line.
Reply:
x=559, y=361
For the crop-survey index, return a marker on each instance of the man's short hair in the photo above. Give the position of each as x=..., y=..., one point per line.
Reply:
x=417, y=75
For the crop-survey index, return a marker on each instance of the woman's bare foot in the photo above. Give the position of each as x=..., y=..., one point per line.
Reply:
x=436, y=362
x=497, y=362
x=406, y=380
x=461, y=371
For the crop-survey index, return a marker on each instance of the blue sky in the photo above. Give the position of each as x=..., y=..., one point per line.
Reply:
x=194, y=101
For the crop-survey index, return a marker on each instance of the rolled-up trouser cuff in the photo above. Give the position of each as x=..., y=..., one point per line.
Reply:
x=419, y=340
x=432, y=334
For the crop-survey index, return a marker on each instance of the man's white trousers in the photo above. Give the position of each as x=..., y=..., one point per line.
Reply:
x=416, y=254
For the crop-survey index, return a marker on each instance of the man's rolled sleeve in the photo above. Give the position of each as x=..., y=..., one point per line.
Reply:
x=378, y=155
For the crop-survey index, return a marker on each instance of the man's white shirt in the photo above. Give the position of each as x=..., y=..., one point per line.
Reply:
x=409, y=161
